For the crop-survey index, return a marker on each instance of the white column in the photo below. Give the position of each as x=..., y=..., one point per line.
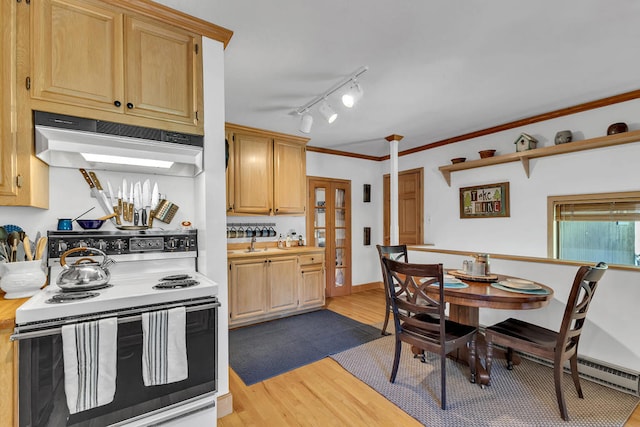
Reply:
x=394, y=231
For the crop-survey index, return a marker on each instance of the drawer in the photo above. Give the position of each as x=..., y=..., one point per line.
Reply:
x=311, y=259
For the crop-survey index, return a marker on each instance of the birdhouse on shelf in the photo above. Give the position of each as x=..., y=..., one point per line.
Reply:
x=525, y=142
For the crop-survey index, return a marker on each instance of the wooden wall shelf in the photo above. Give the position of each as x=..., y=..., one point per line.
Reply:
x=525, y=156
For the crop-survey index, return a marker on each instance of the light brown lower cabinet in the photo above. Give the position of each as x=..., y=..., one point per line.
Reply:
x=6, y=379
x=269, y=287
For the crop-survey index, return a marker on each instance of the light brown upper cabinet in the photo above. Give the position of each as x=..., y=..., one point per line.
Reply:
x=268, y=172
x=92, y=59
x=24, y=179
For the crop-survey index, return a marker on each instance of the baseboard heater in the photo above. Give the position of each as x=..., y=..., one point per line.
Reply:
x=608, y=375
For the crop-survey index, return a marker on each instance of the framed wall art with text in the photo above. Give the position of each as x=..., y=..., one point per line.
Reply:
x=485, y=201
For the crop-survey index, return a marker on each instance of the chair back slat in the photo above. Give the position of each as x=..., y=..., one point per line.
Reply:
x=580, y=297
x=411, y=300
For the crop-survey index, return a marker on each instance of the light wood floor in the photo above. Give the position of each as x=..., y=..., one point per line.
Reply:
x=323, y=393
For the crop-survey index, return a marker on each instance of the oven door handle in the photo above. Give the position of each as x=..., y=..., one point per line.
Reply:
x=55, y=327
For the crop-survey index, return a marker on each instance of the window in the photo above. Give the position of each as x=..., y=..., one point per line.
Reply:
x=595, y=227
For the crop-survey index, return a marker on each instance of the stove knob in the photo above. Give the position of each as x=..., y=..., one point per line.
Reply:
x=81, y=244
x=62, y=246
x=119, y=245
x=187, y=244
x=171, y=243
x=101, y=244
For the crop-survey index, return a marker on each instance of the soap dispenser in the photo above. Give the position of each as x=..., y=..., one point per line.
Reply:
x=280, y=245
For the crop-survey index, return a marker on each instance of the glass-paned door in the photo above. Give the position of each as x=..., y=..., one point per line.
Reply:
x=329, y=225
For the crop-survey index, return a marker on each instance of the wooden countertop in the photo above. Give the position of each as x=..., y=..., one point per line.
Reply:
x=234, y=253
x=8, y=309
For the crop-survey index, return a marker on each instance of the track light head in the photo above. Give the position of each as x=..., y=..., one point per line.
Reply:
x=306, y=121
x=327, y=112
x=353, y=95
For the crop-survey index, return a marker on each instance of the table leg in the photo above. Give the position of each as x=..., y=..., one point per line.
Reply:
x=471, y=316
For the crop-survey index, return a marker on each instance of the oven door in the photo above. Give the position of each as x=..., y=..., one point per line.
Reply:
x=42, y=399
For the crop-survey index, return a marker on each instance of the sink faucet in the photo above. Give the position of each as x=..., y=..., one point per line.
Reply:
x=253, y=244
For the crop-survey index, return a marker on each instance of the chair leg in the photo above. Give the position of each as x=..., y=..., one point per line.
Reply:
x=386, y=321
x=472, y=360
x=574, y=374
x=443, y=381
x=396, y=360
x=509, y=358
x=557, y=375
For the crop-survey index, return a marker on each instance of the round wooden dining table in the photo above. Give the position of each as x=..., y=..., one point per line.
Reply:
x=465, y=305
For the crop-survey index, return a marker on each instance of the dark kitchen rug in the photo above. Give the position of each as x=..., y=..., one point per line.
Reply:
x=524, y=396
x=272, y=348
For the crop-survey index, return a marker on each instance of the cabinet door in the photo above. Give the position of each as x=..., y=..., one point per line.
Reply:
x=329, y=226
x=283, y=283
x=248, y=289
x=289, y=187
x=312, y=286
x=253, y=174
x=78, y=54
x=24, y=179
x=162, y=72
x=230, y=171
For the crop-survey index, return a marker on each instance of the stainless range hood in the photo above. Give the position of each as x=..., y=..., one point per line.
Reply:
x=73, y=142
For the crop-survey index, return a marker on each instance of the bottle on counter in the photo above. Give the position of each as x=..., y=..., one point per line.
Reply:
x=288, y=241
x=300, y=240
x=280, y=244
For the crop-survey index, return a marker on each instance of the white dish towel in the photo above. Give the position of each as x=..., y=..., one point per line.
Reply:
x=164, y=351
x=90, y=354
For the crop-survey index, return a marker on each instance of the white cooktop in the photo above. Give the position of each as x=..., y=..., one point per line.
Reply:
x=128, y=291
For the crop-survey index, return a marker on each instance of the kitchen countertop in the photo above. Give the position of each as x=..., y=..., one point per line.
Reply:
x=271, y=251
x=8, y=309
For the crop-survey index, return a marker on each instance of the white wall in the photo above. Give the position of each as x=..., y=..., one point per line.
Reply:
x=611, y=319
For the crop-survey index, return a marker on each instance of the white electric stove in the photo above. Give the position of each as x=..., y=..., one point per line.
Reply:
x=153, y=270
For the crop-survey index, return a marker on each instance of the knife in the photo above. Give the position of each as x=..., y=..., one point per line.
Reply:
x=125, y=206
x=94, y=191
x=114, y=202
x=106, y=206
x=130, y=205
x=155, y=199
x=137, y=203
x=146, y=199
x=120, y=203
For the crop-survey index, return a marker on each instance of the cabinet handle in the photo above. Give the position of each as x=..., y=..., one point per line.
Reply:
x=129, y=105
x=19, y=181
x=117, y=103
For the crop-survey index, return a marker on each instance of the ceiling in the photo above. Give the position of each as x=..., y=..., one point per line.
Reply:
x=436, y=69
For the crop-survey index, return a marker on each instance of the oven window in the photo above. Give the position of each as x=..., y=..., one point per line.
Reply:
x=41, y=377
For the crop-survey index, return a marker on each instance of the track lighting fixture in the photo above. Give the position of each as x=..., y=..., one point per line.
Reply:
x=327, y=112
x=306, y=121
x=349, y=99
x=353, y=95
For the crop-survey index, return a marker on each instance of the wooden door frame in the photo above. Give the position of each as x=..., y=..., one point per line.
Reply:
x=386, y=208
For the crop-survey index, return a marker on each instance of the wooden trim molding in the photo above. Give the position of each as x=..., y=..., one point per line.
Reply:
x=366, y=287
x=270, y=134
x=343, y=153
x=522, y=258
x=175, y=17
x=394, y=137
x=599, y=103
x=225, y=405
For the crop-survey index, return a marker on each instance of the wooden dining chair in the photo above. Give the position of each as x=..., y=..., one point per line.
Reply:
x=420, y=320
x=557, y=347
x=396, y=253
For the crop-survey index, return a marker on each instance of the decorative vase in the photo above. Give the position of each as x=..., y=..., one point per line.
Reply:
x=21, y=279
x=563, y=136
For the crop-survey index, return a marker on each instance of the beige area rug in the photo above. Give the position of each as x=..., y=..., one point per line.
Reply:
x=522, y=397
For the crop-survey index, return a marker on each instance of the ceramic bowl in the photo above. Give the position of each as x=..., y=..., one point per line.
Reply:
x=617, y=128
x=486, y=153
x=458, y=160
x=90, y=224
x=21, y=279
